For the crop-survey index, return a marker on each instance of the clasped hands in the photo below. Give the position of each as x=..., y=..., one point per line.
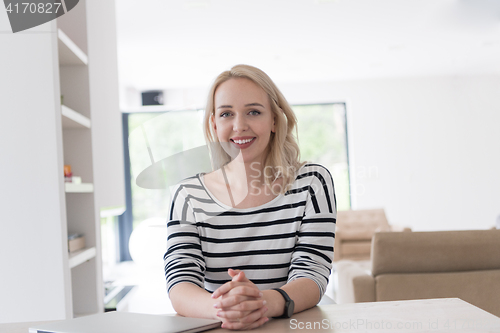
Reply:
x=240, y=303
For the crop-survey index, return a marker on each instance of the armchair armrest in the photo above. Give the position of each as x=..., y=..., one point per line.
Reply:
x=364, y=288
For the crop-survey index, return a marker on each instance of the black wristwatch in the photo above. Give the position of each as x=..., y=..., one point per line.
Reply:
x=289, y=304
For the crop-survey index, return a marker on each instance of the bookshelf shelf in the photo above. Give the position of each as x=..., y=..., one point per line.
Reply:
x=79, y=188
x=69, y=53
x=73, y=119
x=79, y=257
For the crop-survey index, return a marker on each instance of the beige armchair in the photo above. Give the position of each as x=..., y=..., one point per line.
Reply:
x=355, y=229
x=421, y=265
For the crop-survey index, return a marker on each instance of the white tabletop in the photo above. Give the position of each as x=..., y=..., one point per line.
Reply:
x=432, y=315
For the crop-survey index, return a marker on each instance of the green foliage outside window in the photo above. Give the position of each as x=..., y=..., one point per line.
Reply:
x=323, y=139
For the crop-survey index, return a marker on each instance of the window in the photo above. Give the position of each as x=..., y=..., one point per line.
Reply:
x=322, y=135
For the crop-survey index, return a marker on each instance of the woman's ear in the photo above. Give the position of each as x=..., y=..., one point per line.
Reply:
x=273, y=130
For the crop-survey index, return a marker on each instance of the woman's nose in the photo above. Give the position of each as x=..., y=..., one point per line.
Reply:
x=240, y=124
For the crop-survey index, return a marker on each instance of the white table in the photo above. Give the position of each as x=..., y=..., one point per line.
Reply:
x=434, y=315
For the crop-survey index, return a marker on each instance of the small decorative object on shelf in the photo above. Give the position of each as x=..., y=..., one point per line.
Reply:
x=76, y=180
x=67, y=173
x=75, y=242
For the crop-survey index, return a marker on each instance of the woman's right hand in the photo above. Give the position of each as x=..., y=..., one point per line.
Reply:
x=240, y=303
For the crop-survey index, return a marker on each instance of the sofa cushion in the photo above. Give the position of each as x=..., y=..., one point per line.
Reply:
x=439, y=251
x=362, y=232
x=480, y=288
x=361, y=224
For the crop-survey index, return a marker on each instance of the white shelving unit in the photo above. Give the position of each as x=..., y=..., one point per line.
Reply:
x=82, y=215
x=73, y=56
x=91, y=142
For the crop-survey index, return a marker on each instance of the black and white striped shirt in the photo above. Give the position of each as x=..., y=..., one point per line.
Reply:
x=290, y=237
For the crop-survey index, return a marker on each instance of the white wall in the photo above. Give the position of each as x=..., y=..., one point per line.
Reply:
x=32, y=226
x=425, y=149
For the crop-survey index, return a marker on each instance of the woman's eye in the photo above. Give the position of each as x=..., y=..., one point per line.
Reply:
x=254, y=112
x=225, y=114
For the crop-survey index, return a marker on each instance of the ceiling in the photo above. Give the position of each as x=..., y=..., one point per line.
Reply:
x=169, y=44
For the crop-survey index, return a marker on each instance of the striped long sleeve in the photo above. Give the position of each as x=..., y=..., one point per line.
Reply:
x=184, y=261
x=313, y=254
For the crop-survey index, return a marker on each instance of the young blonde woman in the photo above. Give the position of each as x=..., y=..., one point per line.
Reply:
x=254, y=238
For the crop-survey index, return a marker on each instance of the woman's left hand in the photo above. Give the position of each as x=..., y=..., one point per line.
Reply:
x=240, y=303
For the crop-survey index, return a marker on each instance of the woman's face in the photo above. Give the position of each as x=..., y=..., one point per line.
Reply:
x=243, y=118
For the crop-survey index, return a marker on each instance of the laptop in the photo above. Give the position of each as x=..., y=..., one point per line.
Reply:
x=127, y=322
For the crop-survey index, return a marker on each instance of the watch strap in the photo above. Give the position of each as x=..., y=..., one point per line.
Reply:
x=287, y=302
x=284, y=294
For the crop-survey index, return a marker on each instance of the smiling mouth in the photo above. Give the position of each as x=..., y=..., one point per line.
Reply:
x=242, y=142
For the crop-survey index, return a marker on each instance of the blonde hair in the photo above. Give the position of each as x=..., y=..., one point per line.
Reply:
x=283, y=158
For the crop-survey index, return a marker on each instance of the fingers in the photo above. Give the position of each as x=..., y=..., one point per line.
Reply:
x=237, y=289
x=233, y=272
x=232, y=316
x=236, y=300
x=241, y=277
x=231, y=308
x=258, y=323
x=237, y=275
x=252, y=320
x=240, y=306
x=254, y=316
